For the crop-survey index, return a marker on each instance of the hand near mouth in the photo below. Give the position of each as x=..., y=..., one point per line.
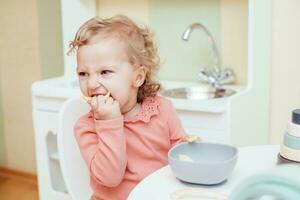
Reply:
x=104, y=106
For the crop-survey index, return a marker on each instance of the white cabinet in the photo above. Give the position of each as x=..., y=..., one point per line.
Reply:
x=49, y=96
x=51, y=183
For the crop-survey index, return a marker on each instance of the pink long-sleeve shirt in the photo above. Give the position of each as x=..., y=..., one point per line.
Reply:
x=120, y=152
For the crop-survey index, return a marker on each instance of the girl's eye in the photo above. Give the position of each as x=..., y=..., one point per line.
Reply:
x=82, y=74
x=106, y=72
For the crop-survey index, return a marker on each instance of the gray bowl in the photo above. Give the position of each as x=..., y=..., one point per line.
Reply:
x=202, y=162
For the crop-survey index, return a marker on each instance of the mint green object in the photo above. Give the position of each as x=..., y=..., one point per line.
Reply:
x=282, y=182
x=291, y=141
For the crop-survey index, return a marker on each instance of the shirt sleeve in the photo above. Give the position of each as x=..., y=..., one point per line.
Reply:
x=103, y=146
x=175, y=127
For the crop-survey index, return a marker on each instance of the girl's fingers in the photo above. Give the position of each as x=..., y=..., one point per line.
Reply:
x=115, y=103
x=94, y=103
x=109, y=100
x=107, y=95
x=101, y=100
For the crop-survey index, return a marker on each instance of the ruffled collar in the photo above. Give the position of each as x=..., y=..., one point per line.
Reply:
x=149, y=108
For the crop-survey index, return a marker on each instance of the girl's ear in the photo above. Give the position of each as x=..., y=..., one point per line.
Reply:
x=140, y=75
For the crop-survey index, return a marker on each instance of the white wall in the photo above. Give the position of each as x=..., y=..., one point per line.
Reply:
x=285, y=70
x=249, y=113
x=19, y=66
x=234, y=37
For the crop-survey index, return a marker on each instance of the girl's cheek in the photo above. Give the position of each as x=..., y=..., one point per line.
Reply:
x=83, y=89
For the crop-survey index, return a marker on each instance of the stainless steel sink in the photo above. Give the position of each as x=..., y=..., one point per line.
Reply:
x=197, y=92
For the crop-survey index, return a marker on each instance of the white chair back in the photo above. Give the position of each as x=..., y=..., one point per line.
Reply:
x=74, y=169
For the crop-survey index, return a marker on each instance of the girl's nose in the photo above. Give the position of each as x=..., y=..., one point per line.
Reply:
x=93, y=83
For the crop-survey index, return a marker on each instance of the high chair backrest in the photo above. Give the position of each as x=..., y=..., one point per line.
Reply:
x=74, y=169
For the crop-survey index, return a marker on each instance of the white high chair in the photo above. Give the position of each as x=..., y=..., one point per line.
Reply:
x=74, y=169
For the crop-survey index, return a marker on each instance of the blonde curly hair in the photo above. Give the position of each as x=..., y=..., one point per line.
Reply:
x=139, y=40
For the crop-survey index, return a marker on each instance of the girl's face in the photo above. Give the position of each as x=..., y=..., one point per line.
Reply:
x=103, y=67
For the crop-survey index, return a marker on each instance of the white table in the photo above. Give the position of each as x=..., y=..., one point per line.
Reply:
x=251, y=160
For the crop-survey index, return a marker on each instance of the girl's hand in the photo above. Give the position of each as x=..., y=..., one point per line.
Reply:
x=191, y=138
x=104, y=107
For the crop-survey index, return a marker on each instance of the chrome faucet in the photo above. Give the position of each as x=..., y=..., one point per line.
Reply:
x=215, y=77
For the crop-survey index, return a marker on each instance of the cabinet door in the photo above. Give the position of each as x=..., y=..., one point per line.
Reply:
x=50, y=178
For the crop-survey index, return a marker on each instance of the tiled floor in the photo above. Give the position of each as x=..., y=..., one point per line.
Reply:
x=11, y=189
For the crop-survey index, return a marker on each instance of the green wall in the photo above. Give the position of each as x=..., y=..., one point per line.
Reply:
x=169, y=20
x=51, y=49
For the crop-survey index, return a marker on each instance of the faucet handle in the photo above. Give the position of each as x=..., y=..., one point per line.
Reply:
x=207, y=76
x=227, y=76
x=203, y=76
x=216, y=78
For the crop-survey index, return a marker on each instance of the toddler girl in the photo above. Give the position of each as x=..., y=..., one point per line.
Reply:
x=129, y=130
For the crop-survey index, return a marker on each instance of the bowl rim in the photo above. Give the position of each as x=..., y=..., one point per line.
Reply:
x=199, y=162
